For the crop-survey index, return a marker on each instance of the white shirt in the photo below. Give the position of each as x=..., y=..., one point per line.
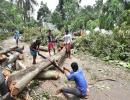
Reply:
x=67, y=38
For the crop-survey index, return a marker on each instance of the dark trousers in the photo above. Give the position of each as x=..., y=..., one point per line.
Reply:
x=73, y=91
x=4, y=91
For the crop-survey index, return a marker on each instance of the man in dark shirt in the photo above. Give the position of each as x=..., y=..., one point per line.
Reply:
x=34, y=49
x=51, y=42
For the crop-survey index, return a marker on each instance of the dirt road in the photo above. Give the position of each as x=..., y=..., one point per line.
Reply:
x=106, y=81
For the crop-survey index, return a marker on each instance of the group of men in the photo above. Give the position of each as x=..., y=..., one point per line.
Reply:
x=76, y=74
x=34, y=48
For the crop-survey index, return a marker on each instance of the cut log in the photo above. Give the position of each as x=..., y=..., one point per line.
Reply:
x=14, y=48
x=43, y=48
x=18, y=81
x=11, y=59
x=20, y=65
x=19, y=49
x=8, y=50
x=46, y=75
x=2, y=58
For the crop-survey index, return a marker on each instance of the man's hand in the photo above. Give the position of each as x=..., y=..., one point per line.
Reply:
x=66, y=69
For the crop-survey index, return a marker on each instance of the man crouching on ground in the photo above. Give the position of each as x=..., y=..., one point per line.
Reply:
x=81, y=89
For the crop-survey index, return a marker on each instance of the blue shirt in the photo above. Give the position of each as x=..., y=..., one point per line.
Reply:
x=80, y=81
x=16, y=35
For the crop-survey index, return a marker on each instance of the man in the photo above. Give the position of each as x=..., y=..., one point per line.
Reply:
x=81, y=89
x=4, y=92
x=16, y=36
x=67, y=42
x=34, y=49
x=51, y=42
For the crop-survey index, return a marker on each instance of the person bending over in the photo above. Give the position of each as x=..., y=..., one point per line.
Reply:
x=34, y=49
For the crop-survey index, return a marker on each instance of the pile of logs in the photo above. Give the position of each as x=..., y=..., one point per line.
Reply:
x=18, y=80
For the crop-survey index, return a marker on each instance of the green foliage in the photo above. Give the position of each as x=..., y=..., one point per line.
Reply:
x=112, y=13
x=57, y=19
x=45, y=94
x=44, y=13
x=10, y=15
x=33, y=33
x=109, y=47
x=4, y=36
x=34, y=83
x=91, y=24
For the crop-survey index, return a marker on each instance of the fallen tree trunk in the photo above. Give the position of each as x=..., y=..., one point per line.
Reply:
x=46, y=75
x=20, y=65
x=52, y=74
x=19, y=49
x=11, y=59
x=42, y=48
x=8, y=50
x=18, y=81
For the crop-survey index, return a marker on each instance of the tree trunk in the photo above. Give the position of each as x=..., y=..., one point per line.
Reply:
x=46, y=75
x=42, y=48
x=20, y=65
x=18, y=81
x=8, y=50
x=11, y=59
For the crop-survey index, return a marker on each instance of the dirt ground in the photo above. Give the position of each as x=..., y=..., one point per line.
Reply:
x=106, y=81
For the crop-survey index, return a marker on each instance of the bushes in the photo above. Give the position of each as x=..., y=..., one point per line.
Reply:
x=36, y=32
x=4, y=36
x=109, y=47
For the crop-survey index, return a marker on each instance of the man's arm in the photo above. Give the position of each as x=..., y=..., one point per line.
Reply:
x=66, y=69
x=68, y=74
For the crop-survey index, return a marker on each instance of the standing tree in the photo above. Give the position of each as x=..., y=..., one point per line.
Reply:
x=111, y=14
x=44, y=14
x=27, y=6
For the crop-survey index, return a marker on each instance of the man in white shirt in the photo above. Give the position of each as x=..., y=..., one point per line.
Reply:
x=67, y=43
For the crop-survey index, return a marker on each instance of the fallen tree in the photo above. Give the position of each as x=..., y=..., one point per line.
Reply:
x=46, y=75
x=14, y=48
x=11, y=59
x=8, y=50
x=18, y=81
x=42, y=48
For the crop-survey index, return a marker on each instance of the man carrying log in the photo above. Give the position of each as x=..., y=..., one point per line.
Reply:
x=4, y=92
x=34, y=49
x=81, y=89
x=51, y=42
x=68, y=43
